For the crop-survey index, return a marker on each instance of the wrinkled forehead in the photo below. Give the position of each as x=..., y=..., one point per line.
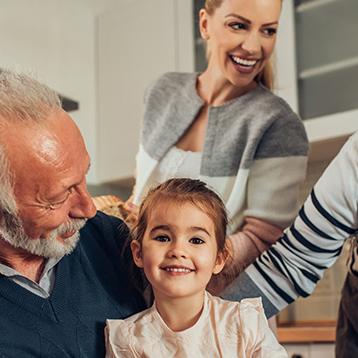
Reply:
x=53, y=145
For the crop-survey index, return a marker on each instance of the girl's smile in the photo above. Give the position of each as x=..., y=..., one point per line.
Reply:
x=177, y=270
x=178, y=251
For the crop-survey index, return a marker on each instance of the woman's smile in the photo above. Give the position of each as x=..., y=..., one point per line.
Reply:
x=243, y=65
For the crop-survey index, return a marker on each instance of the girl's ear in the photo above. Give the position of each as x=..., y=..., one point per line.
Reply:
x=203, y=24
x=137, y=253
x=220, y=262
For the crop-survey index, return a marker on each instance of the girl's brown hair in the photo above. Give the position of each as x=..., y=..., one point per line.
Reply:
x=181, y=191
x=267, y=74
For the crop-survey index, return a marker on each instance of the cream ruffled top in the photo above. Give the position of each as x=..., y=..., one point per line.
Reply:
x=224, y=329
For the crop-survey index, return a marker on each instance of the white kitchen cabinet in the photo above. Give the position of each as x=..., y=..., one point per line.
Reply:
x=317, y=65
x=309, y=350
x=137, y=42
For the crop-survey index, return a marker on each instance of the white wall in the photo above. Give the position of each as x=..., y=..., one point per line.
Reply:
x=56, y=39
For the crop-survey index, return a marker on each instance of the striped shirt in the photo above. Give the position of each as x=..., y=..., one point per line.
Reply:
x=293, y=266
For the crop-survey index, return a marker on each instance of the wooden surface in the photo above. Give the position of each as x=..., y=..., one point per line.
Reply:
x=309, y=331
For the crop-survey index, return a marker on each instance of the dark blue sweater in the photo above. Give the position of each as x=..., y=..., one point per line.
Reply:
x=92, y=284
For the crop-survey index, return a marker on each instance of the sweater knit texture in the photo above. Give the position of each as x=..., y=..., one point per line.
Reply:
x=254, y=154
x=92, y=284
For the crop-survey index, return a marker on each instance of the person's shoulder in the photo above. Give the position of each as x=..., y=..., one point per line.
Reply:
x=105, y=228
x=237, y=315
x=118, y=338
x=173, y=78
x=103, y=222
x=254, y=304
x=218, y=304
x=131, y=320
x=281, y=121
x=245, y=304
x=353, y=140
x=138, y=321
x=143, y=316
x=171, y=82
x=271, y=102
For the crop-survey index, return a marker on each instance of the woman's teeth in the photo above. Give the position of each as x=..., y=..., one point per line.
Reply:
x=241, y=62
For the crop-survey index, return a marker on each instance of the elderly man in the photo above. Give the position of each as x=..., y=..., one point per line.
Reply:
x=61, y=276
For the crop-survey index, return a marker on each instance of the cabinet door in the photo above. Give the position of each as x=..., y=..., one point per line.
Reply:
x=322, y=350
x=137, y=43
x=298, y=350
x=317, y=57
x=309, y=350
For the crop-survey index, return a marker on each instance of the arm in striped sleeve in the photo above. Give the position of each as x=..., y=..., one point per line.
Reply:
x=293, y=266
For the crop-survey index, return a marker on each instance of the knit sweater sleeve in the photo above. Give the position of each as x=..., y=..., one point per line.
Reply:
x=293, y=266
x=278, y=169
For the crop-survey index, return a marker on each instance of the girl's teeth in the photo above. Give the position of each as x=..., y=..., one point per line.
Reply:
x=239, y=61
x=177, y=269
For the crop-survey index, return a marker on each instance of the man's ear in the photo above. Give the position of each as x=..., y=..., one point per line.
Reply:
x=220, y=262
x=203, y=24
x=137, y=253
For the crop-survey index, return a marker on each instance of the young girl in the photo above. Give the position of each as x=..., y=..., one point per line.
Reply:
x=179, y=242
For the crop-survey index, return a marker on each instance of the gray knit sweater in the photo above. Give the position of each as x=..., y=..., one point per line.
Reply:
x=255, y=147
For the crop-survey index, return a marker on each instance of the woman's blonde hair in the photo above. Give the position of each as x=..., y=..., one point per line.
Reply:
x=267, y=74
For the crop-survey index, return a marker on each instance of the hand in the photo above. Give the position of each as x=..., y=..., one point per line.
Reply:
x=134, y=209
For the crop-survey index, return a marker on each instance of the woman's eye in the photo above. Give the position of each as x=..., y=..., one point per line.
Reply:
x=162, y=238
x=270, y=32
x=196, y=241
x=237, y=26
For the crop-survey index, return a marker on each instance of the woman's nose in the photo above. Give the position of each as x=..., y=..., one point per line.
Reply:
x=251, y=43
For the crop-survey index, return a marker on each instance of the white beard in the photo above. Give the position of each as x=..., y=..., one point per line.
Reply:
x=12, y=231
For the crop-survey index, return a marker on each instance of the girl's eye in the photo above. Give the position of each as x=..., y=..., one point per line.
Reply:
x=237, y=26
x=196, y=241
x=162, y=238
x=270, y=32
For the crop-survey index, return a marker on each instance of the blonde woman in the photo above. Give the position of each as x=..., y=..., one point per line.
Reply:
x=227, y=128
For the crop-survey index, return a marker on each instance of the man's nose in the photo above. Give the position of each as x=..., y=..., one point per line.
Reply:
x=84, y=206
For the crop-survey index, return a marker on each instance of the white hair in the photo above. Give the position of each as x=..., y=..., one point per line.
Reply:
x=28, y=101
x=25, y=98
x=7, y=199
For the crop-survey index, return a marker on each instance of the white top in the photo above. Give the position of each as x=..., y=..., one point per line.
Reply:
x=177, y=163
x=224, y=329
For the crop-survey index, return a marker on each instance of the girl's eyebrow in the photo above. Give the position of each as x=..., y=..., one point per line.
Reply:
x=249, y=22
x=198, y=228
x=166, y=228
x=160, y=227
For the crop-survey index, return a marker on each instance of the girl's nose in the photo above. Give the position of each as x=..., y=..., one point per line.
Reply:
x=177, y=250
